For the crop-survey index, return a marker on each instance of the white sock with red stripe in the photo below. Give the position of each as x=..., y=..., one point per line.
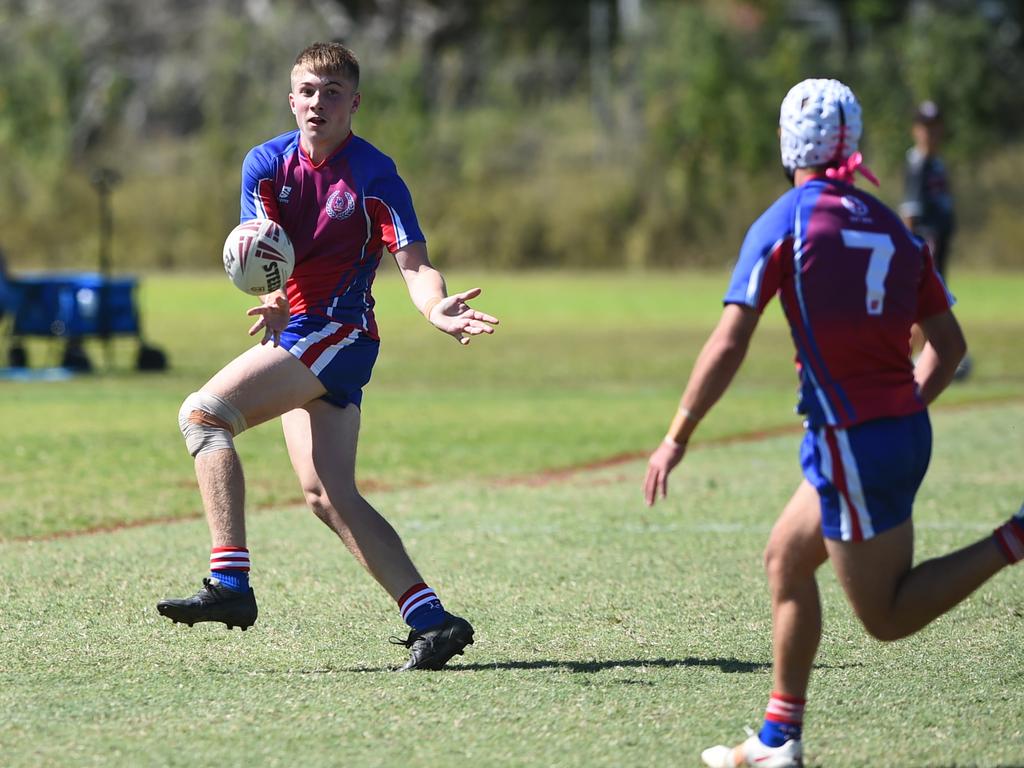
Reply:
x=1010, y=537
x=230, y=566
x=421, y=609
x=783, y=720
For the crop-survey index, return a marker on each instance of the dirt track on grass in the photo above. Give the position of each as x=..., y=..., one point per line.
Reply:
x=532, y=480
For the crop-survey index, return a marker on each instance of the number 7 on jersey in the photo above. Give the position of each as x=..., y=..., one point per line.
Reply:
x=882, y=249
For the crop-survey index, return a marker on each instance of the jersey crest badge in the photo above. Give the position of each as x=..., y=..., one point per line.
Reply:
x=340, y=205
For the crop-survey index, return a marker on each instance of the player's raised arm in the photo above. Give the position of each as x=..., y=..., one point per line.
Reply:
x=428, y=292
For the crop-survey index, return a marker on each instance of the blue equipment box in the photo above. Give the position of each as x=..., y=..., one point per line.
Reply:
x=73, y=305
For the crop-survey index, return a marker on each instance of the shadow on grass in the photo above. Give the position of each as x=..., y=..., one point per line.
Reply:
x=725, y=665
x=729, y=666
x=589, y=667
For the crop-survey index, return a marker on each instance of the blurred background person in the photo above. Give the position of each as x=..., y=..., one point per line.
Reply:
x=927, y=207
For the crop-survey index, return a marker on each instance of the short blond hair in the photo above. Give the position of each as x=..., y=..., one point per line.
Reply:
x=329, y=59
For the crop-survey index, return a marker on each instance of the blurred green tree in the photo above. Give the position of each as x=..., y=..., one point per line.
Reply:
x=610, y=132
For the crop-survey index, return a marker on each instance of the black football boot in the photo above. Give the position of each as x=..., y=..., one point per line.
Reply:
x=214, y=602
x=432, y=648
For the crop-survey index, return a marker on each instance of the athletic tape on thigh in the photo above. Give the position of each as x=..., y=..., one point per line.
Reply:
x=203, y=438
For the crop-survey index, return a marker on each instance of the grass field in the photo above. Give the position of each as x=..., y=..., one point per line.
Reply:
x=608, y=634
x=582, y=368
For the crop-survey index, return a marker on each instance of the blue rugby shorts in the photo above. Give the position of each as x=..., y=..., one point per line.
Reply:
x=867, y=475
x=340, y=354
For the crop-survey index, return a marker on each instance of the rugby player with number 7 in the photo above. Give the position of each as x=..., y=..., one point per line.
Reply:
x=852, y=280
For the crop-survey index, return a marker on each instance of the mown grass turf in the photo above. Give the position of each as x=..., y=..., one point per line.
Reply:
x=609, y=634
x=582, y=367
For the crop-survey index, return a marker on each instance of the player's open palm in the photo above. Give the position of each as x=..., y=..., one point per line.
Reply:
x=273, y=316
x=664, y=459
x=456, y=318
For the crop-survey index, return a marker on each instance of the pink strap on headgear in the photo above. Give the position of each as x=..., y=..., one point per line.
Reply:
x=844, y=172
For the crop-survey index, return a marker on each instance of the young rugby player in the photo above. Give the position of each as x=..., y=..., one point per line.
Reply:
x=342, y=202
x=852, y=280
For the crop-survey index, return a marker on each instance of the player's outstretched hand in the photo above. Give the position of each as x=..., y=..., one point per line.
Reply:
x=662, y=461
x=273, y=317
x=456, y=318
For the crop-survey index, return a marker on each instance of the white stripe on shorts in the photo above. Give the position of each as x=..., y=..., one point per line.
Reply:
x=300, y=347
x=854, y=487
x=328, y=354
x=853, y=484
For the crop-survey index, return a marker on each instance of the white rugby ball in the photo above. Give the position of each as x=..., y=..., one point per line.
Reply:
x=258, y=256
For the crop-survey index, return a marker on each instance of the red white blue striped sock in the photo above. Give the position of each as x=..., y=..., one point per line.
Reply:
x=421, y=609
x=230, y=566
x=783, y=720
x=1010, y=537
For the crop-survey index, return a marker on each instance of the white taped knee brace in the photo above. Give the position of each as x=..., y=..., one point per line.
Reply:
x=203, y=438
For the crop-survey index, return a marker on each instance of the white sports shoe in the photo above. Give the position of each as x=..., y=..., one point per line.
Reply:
x=753, y=752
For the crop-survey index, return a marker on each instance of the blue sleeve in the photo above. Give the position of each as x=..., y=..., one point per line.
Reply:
x=398, y=221
x=258, y=199
x=763, y=243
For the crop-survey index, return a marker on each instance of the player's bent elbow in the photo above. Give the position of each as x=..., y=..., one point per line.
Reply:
x=961, y=350
x=946, y=338
x=951, y=355
x=951, y=347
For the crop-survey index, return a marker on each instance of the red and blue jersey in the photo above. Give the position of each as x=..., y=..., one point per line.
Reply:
x=339, y=214
x=852, y=280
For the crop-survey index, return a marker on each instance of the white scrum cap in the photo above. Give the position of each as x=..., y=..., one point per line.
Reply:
x=819, y=123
